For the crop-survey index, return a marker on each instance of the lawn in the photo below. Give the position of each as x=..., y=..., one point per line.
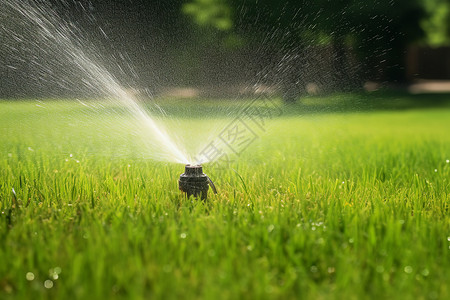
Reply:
x=335, y=204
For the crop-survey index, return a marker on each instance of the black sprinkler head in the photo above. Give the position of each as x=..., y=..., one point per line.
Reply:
x=193, y=182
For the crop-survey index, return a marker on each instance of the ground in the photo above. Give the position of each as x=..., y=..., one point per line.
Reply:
x=341, y=197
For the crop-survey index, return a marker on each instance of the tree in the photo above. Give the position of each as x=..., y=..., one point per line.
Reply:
x=379, y=31
x=436, y=24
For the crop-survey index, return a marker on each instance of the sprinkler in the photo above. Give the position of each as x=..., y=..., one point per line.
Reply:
x=193, y=182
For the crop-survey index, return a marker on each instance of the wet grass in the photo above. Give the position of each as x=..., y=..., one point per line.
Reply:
x=348, y=205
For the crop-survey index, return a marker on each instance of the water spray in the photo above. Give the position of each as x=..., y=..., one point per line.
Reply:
x=193, y=182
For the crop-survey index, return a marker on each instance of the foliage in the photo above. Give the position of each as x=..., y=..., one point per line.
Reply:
x=379, y=30
x=437, y=23
x=214, y=13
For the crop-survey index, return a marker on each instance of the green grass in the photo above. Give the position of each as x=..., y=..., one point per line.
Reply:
x=348, y=205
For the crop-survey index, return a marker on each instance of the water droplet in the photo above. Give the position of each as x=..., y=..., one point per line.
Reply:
x=57, y=270
x=71, y=155
x=447, y=161
x=183, y=235
x=249, y=248
x=55, y=276
x=408, y=269
x=29, y=276
x=351, y=241
x=48, y=284
x=271, y=228
x=425, y=272
x=448, y=238
x=435, y=170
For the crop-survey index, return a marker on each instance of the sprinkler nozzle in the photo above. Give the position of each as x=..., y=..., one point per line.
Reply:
x=193, y=182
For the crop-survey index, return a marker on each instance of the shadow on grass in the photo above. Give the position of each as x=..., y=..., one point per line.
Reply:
x=385, y=100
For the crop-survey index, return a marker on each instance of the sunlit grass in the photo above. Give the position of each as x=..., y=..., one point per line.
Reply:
x=348, y=205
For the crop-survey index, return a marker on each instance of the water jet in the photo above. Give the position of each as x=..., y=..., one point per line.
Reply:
x=193, y=182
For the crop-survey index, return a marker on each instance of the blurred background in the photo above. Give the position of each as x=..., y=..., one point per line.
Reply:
x=233, y=48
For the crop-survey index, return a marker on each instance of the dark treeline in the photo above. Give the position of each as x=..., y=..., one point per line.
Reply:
x=333, y=44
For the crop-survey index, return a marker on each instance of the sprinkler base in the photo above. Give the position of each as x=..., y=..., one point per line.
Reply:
x=193, y=182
